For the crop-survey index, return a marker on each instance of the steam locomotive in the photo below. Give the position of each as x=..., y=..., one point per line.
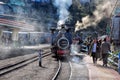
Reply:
x=61, y=41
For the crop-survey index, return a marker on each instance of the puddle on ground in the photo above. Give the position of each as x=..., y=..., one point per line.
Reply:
x=76, y=59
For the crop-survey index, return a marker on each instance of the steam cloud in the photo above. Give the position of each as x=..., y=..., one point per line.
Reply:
x=102, y=11
x=62, y=6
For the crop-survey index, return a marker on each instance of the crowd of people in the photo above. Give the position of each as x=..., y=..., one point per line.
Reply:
x=99, y=49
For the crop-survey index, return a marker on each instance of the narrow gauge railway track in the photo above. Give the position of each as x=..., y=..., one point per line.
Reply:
x=19, y=64
x=46, y=50
x=60, y=70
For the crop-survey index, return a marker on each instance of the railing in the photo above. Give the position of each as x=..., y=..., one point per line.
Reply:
x=113, y=59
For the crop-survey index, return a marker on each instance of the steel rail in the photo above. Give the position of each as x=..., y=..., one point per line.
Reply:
x=58, y=70
x=70, y=71
x=20, y=64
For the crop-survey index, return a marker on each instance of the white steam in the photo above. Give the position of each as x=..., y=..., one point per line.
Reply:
x=62, y=8
x=102, y=11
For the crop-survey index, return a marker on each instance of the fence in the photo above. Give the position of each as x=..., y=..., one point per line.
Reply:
x=114, y=60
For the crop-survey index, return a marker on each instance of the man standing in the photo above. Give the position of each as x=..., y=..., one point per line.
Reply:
x=105, y=48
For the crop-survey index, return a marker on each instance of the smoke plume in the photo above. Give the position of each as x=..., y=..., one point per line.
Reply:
x=62, y=8
x=102, y=11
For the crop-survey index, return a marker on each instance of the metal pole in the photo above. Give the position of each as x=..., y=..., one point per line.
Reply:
x=112, y=13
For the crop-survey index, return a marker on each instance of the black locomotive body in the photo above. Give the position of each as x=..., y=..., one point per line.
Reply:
x=61, y=41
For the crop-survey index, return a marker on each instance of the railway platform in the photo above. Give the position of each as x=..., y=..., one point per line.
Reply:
x=98, y=72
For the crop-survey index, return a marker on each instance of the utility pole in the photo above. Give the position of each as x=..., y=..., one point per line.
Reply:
x=109, y=21
x=113, y=8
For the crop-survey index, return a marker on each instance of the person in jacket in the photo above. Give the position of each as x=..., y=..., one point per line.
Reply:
x=99, y=42
x=105, y=48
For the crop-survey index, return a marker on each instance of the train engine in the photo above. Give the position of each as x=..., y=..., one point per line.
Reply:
x=61, y=41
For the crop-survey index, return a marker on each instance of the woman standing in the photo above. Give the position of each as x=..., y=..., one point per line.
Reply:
x=93, y=50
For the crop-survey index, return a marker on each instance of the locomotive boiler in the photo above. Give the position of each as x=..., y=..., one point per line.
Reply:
x=61, y=41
